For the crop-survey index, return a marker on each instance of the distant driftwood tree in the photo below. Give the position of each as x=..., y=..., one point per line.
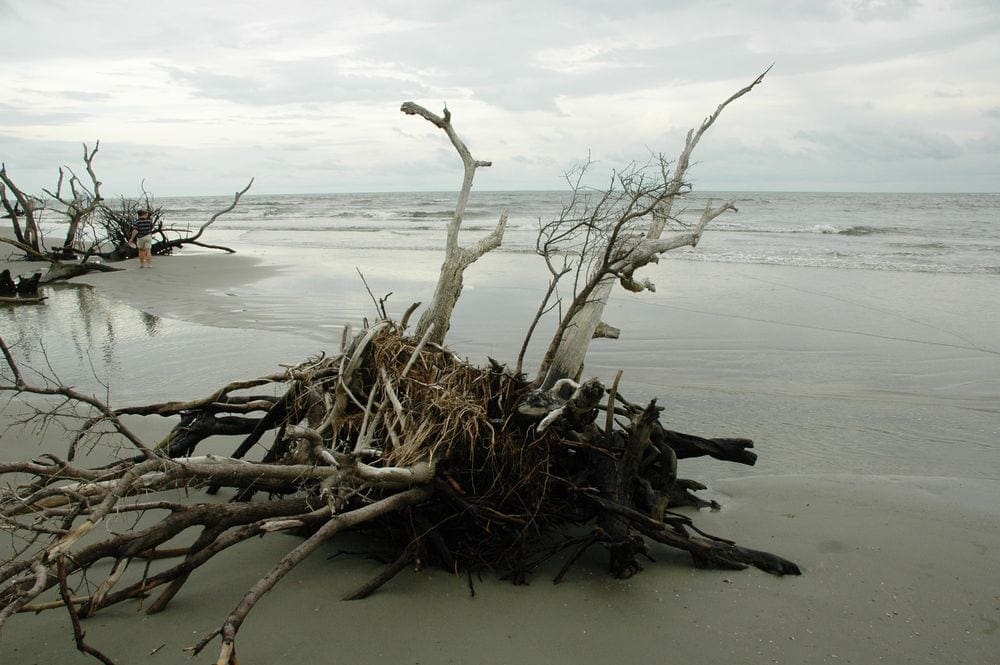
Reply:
x=78, y=204
x=94, y=228
x=114, y=226
x=445, y=463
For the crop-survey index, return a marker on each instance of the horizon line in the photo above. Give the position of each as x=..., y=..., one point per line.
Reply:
x=532, y=191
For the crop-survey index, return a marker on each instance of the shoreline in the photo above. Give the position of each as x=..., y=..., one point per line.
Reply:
x=852, y=384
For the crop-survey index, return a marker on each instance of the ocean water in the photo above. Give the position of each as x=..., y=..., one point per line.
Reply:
x=941, y=233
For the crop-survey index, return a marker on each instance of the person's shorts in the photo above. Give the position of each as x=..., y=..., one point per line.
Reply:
x=144, y=242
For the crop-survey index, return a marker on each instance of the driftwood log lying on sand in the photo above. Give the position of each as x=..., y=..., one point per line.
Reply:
x=59, y=271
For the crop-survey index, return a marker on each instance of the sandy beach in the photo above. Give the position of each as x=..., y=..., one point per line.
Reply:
x=873, y=398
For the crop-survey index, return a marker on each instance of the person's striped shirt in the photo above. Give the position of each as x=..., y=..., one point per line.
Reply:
x=143, y=227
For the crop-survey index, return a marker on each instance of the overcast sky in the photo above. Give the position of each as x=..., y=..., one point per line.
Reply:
x=197, y=97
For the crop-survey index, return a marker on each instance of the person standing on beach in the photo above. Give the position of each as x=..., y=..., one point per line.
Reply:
x=142, y=237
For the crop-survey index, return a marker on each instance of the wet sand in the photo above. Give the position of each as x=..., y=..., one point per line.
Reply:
x=873, y=399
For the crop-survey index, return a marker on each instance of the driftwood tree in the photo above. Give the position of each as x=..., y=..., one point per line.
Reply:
x=85, y=208
x=464, y=467
x=115, y=227
x=78, y=201
x=109, y=228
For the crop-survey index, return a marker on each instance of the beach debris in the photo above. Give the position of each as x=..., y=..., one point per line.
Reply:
x=115, y=227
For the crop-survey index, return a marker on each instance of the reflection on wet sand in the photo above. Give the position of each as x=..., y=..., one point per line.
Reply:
x=85, y=338
x=75, y=322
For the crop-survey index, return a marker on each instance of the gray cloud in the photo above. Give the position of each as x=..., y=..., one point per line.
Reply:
x=83, y=95
x=427, y=55
x=948, y=94
x=623, y=70
x=7, y=11
x=985, y=145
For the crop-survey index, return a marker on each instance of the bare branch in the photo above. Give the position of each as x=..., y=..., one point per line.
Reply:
x=229, y=208
x=25, y=205
x=76, y=396
x=684, y=160
x=457, y=259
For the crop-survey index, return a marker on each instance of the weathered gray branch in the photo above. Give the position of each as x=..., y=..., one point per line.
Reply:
x=457, y=259
x=677, y=183
x=220, y=213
